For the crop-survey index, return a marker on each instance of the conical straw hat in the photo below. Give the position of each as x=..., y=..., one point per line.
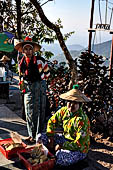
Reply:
x=75, y=95
x=4, y=58
x=27, y=40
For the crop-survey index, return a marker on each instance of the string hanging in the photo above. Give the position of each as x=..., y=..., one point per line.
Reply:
x=106, y=12
x=100, y=11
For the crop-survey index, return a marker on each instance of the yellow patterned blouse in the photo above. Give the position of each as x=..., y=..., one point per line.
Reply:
x=76, y=128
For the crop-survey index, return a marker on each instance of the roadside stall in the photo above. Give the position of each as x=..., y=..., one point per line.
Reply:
x=4, y=79
x=6, y=46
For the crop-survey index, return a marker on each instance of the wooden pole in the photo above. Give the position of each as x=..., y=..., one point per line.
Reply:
x=111, y=60
x=18, y=6
x=91, y=25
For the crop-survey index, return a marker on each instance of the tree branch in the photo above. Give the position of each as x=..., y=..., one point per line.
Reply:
x=54, y=27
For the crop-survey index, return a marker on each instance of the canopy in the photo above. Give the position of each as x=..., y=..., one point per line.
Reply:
x=6, y=42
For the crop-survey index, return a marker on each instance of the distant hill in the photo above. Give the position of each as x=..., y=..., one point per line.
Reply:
x=103, y=49
x=56, y=49
x=75, y=47
x=100, y=49
x=62, y=58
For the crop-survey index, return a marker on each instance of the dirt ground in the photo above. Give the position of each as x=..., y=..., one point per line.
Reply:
x=100, y=156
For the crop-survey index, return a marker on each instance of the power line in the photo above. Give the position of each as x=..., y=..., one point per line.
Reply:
x=100, y=12
x=111, y=16
x=108, y=2
x=106, y=12
x=107, y=7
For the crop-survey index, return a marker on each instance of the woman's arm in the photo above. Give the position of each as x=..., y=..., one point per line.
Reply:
x=55, y=121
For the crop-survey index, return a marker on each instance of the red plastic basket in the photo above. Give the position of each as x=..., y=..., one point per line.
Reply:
x=47, y=165
x=11, y=153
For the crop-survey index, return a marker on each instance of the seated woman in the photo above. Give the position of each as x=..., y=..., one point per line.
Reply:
x=73, y=144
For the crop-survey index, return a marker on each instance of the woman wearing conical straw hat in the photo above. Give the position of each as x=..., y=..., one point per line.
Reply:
x=4, y=59
x=71, y=146
x=35, y=72
x=4, y=63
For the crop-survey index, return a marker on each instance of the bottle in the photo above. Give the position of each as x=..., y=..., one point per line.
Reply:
x=4, y=75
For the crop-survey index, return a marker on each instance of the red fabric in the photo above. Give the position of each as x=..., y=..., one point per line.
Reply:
x=27, y=60
x=34, y=59
x=20, y=82
x=39, y=66
x=27, y=39
x=21, y=61
x=26, y=72
x=46, y=66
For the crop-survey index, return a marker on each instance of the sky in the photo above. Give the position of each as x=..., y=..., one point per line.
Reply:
x=75, y=16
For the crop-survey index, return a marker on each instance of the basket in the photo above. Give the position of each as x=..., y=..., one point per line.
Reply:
x=11, y=153
x=47, y=165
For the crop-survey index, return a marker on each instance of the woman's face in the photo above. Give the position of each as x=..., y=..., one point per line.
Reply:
x=28, y=51
x=72, y=106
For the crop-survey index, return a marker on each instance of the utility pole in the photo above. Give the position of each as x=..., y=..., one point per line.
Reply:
x=111, y=60
x=91, y=26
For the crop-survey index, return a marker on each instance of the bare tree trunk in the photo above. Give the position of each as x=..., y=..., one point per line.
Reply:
x=61, y=42
x=18, y=6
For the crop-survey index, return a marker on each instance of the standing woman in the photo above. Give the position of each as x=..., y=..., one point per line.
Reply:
x=34, y=71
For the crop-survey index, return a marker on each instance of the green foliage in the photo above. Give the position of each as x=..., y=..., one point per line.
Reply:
x=66, y=36
x=57, y=84
x=30, y=22
x=7, y=11
x=59, y=23
x=95, y=84
x=48, y=54
x=15, y=68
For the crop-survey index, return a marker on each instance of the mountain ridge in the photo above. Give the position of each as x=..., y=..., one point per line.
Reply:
x=56, y=49
x=103, y=49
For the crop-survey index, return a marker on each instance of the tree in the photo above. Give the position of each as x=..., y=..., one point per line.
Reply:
x=25, y=20
x=96, y=84
x=60, y=39
x=19, y=15
x=21, y=18
x=57, y=84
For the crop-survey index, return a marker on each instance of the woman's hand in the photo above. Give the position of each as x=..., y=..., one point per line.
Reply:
x=50, y=144
x=58, y=147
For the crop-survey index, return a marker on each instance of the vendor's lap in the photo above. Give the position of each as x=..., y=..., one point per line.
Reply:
x=63, y=157
x=58, y=139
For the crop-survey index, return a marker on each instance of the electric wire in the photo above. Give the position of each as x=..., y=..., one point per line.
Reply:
x=107, y=7
x=106, y=12
x=111, y=16
x=100, y=12
x=108, y=2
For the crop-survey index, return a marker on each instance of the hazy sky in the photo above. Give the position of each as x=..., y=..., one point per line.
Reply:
x=75, y=16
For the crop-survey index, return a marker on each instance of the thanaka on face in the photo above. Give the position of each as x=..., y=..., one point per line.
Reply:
x=73, y=106
x=28, y=51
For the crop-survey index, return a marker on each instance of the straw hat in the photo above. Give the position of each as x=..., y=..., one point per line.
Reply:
x=27, y=40
x=75, y=95
x=4, y=58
